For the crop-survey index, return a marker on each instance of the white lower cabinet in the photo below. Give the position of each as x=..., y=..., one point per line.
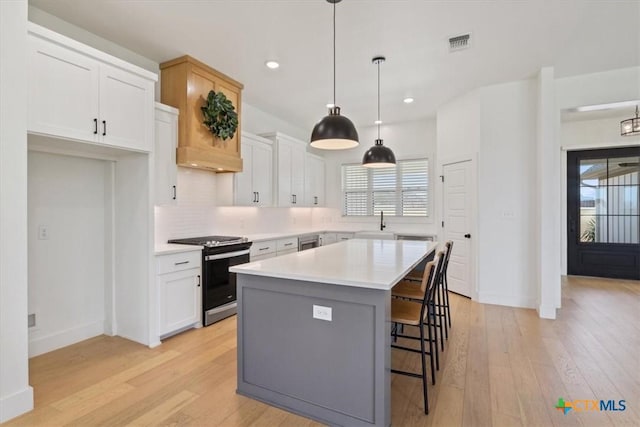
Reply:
x=273, y=248
x=179, y=282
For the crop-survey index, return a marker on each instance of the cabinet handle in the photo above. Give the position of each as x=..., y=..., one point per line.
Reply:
x=320, y=241
x=95, y=126
x=263, y=249
x=181, y=263
x=254, y=197
x=258, y=193
x=104, y=127
x=198, y=280
x=315, y=200
x=288, y=244
x=174, y=192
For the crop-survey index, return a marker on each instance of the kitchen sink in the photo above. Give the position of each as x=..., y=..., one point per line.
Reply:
x=373, y=234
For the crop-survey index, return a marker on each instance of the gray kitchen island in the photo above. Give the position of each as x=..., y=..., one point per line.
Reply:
x=314, y=329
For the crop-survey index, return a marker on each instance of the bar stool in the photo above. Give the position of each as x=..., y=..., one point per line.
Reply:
x=409, y=290
x=412, y=313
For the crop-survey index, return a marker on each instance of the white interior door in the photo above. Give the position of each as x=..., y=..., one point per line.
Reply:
x=457, y=225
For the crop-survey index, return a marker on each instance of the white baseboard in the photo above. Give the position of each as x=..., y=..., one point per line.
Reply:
x=546, y=312
x=507, y=300
x=41, y=345
x=16, y=404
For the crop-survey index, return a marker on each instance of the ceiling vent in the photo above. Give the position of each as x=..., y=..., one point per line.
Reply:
x=460, y=42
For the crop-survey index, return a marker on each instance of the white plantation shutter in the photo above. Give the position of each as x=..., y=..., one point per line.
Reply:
x=355, y=184
x=414, y=187
x=400, y=191
x=383, y=190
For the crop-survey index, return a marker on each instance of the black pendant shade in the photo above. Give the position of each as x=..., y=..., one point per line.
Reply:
x=379, y=156
x=334, y=132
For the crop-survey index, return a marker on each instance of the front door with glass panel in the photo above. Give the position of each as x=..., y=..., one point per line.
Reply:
x=603, y=190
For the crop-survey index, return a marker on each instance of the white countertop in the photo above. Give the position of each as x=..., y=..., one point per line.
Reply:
x=261, y=237
x=364, y=263
x=172, y=248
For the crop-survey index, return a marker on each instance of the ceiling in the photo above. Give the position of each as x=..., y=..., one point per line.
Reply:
x=510, y=40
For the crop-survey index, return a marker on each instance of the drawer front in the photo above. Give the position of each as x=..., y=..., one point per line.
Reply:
x=287, y=244
x=178, y=262
x=344, y=236
x=262, y=248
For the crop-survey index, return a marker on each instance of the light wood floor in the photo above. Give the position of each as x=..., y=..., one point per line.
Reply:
x=501, y=366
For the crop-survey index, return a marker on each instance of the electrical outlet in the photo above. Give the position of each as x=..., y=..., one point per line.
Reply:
x=322, y=312
x=31, y=320
x=43, y=232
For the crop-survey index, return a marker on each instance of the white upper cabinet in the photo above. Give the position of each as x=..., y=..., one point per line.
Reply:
x=314, y=181
x=77, y=92
x=254, y=185
x=289, y=164
x=166, y=140
x=63, y=91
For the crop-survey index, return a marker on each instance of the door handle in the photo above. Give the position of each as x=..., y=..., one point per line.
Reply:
x=104, y=127
x=467, y=236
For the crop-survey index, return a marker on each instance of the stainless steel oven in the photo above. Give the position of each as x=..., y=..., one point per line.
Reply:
x=218, y=283
x=308, y=242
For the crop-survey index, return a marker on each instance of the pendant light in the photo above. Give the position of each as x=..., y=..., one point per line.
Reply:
x=379, y=156
x=334, y=132
x=630, y=126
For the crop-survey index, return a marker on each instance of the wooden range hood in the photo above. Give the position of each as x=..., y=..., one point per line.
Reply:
x=185, y=84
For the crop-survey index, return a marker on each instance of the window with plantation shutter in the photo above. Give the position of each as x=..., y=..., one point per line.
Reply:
x=355, y=184
x=399, y=191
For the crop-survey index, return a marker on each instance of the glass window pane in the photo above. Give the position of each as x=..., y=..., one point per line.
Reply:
x=623, y=229
x=593, y=200
x=593, y=172
x=623, y=199
x=624, y=170
x=593, y=228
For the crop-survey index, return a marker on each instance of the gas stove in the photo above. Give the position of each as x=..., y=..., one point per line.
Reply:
x=211, y=241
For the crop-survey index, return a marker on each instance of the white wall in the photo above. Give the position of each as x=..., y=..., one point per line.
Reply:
x=495, y=126
x=408, y=140
x=257, y=121
x=16, y=396
x=506, y=195
x=67, y=270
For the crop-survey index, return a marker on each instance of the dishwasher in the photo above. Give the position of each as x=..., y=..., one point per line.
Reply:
x=308, y=242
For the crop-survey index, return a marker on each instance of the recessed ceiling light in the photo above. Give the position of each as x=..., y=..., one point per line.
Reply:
x=408, y=100
x=377, y=122
x=272, y=64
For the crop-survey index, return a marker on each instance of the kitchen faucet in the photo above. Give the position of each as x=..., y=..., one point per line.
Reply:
x=382, y=224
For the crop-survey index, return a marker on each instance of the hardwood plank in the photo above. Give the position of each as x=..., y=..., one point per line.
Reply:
x=501, y=366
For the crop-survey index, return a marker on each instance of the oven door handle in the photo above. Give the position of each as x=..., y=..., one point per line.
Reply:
x=226, y=255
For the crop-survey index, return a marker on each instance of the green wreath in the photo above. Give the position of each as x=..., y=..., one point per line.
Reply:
x=220, y=116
